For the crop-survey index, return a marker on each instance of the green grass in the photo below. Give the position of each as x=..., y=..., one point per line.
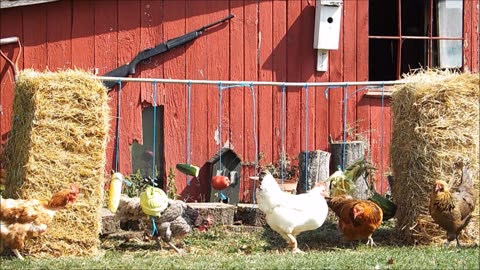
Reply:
x=260, y=248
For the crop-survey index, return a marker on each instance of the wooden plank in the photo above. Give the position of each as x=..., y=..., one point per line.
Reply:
x=217, y=62
x=10, y=25
x=83, y=35
x=467, y=33
x=386, y=145
x=349, y=64
x=35, y=42
x=278, y=60
x=151, y=34
x=361, y=63
x=19, y=3
x=294, y=114
x=128, y=47
x=106, y=60
x=238, y=96
x=308, y=58
x=196, y=55
x=251, y=73
x=59, y=48
x=335, y=96
x=321, y=110
x=380, y=155
x=265, y=93
x=475, y=36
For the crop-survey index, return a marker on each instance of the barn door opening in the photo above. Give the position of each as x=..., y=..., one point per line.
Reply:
x=411, y=34
x=143, y=154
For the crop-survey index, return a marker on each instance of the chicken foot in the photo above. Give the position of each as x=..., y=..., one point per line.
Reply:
x=17, y=253
x=370, y=241
x=293, y=244
x=447, y=242
x=180, y=251
x=159, y=245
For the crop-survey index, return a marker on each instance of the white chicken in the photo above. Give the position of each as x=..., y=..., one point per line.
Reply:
x=290, y=214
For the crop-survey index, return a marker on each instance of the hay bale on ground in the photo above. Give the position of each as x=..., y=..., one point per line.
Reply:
x=435, y=132
x=58, y=137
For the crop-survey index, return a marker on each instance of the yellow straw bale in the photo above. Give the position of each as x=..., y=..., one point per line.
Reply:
x=435, y=132
x=59, y=136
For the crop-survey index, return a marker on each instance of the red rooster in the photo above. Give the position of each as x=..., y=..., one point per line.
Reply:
x=20, y=219
x=357, y=219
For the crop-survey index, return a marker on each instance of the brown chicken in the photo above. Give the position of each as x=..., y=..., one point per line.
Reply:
x=175, y=222
x=20, y=219
x=452, y=209
x=357, y=219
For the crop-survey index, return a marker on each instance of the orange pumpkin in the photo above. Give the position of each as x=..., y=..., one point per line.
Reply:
x=220, y=182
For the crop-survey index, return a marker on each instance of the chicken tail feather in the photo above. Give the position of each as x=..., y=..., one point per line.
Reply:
x=467, y=180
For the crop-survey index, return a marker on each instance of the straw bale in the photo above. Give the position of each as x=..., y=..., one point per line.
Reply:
x=435, y=132
x=59, y=136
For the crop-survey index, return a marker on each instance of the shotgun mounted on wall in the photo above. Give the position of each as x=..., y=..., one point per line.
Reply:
x=128, y=69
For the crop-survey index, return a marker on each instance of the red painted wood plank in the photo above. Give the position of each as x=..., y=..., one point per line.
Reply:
x=363, y=104
x=308, y=58
x=265, y=93
x=294, y=114
x=176, y=22
x=59, y=49
x=151, y=34
x=35, y=42
x=335, y=96
x=128, y=47
x=251, y=73
x=386, y=145
x=196, y=68
x=10, y=25
x=238, y=96
x=379, y=142
x=349, y=64
x=321, y=110
x=217, y=64
x=106, y=60
x=467, y=29
x=83, y=35
x=476, y=38
x=278, y=59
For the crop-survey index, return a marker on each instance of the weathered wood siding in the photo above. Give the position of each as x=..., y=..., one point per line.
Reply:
x=266, y=41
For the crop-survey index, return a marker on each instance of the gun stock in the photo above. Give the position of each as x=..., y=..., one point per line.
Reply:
x=128, y=69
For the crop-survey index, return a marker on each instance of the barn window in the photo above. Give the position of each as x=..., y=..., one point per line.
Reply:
x=142, y=154
x=410, y=34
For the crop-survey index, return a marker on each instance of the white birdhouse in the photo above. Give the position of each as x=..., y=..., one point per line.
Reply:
x=327, y=29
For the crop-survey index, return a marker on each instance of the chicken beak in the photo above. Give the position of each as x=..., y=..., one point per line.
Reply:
x=438, y=187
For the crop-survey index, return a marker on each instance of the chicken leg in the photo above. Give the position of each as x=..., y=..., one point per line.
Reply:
x=180, y=251
x=450, y=238
x=370, y=241
x=17, y=253
x=293, y=244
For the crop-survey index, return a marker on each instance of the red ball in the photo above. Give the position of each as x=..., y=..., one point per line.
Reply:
x=220, y=182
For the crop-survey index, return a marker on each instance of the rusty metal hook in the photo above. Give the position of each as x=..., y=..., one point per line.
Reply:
x=13, y=63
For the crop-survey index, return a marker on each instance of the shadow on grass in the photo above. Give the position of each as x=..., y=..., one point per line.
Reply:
x=327, y=237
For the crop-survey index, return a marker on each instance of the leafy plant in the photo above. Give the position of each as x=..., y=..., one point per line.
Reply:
x=171, y=186
x=138, y=184
x=289, y=166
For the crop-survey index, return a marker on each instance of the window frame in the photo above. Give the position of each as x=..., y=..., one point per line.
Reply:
x=429, y=38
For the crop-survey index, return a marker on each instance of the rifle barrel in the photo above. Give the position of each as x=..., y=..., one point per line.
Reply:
x=217, y=22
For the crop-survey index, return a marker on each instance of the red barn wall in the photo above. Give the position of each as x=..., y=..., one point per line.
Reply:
x=266, y=41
